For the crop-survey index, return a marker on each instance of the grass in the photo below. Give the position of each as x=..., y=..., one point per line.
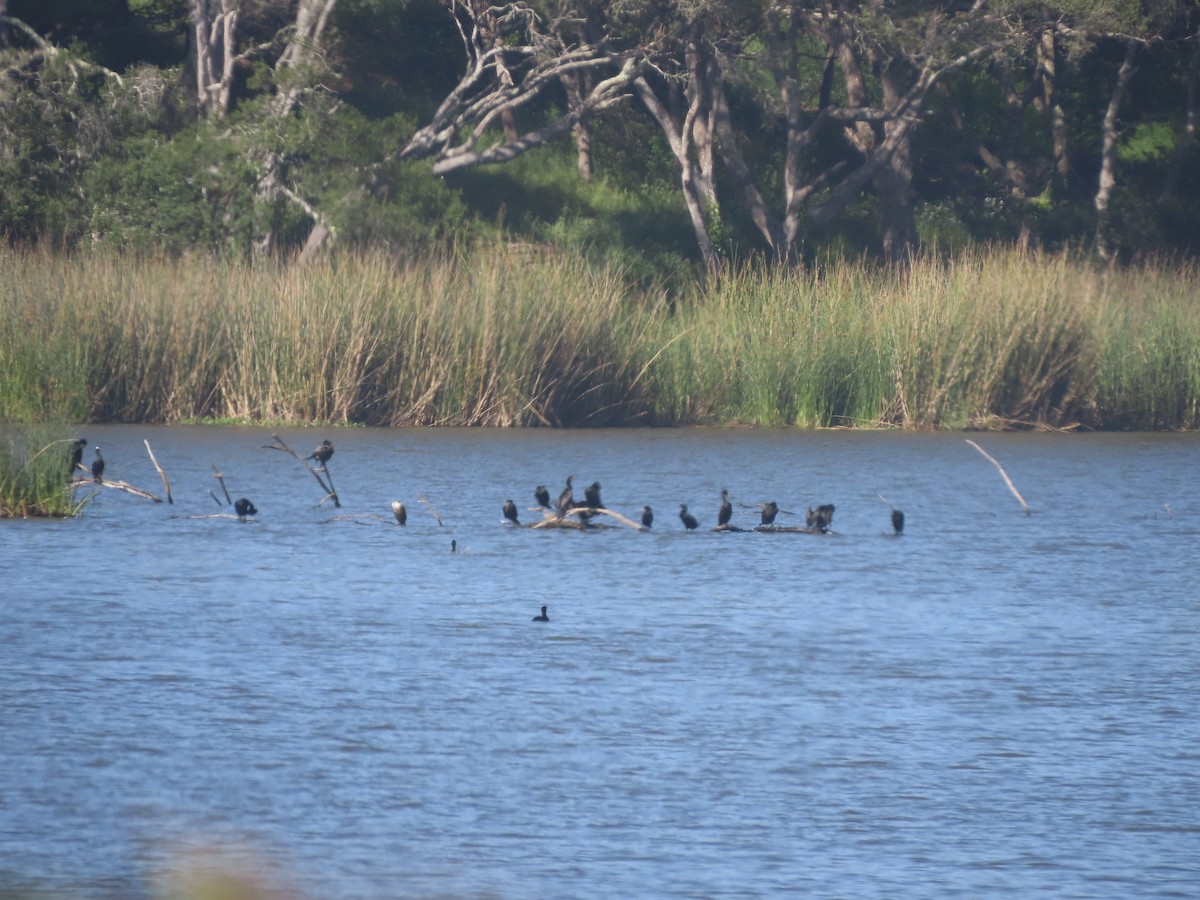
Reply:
x=34, y=462
x=533, y=335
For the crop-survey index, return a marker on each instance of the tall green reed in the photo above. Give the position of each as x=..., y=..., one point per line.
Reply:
x=495, y=336
x=34, y=469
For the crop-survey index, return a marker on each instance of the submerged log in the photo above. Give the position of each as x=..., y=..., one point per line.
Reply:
x=790, y=529
x=565, y=520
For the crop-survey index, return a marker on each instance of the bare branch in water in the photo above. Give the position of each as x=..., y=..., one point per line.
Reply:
x=1012, y=487
x=330, y=493
x=161, y=473
x=221, y=478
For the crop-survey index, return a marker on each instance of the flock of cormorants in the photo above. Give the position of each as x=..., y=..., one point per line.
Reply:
x=819, y=520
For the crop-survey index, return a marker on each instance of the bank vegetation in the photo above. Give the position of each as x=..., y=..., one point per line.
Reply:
x=525, y=336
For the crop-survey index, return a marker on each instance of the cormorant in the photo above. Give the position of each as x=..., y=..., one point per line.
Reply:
x=510, y=512
x=898, y=521
x=725, y=513
x=591, y=495
x=688, y=520
x=543, y=617
x=769, y=510
x=399, y=512
x=821, y=517
x=566, y=500
x=322, y=454
x=98, y=467
x=647, y=516
x=76, y=457
x=243, y=508
x=542, y=496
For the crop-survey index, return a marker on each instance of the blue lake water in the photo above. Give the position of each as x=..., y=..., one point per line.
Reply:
x=992, y=705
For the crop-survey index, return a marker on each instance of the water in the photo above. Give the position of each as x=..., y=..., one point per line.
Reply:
x=994, y=704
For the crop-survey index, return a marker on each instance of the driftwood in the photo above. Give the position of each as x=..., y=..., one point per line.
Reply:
x=564, y=521
x=429, y=506
x=330, y=493
x=123, y=486
x=221, y=480
x=1012, y=487
x=789, y=529
x=161, y=473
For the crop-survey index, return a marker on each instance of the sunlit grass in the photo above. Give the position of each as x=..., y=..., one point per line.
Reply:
x=508, y=336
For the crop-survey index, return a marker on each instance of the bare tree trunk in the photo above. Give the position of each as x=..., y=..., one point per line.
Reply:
x=303, y=48
x=1047, y=53
x=214, y=32
x=679, y=140
x=1108, y=154
x=893, y=179
x=581, y=131
x=768, y=225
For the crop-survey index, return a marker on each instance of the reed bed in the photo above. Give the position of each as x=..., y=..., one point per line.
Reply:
x=496, y=336
x=34, y=469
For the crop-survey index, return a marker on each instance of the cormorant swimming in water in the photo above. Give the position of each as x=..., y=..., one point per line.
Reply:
x=98, y=467
x=76, y=457
x=647, y=516
x=898, y=521
x=510, y=512
x=769, y=510
x=542, y=496
x=399, y=512
x=543, y=617
x=821, y=517
x=688, y=520
x=591, y=495
x=322, y=454
x=725, y=513
x=243, y=508
x=566, y=499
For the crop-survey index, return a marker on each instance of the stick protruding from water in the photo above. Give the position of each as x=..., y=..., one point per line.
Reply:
x=1012, y=487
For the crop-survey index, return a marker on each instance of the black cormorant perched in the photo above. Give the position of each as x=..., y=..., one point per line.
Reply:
x=243, y=508
x=820, y=518
x=543, y=617
x=769, y=510
x=322, y=454
x=898, y=521
x=688, y=520
x=76, y=457
x=542, y=496
x=510, y=512
x=566, y=500
x=725, y=513
x=98, y=467
x=647, y=516
x=591, y=495
x=399, y=512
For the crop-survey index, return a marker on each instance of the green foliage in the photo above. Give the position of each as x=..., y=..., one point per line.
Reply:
x=34, y=464
x=1149, y=142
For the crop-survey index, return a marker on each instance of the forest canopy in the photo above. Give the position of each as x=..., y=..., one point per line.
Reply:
x=665, y=133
